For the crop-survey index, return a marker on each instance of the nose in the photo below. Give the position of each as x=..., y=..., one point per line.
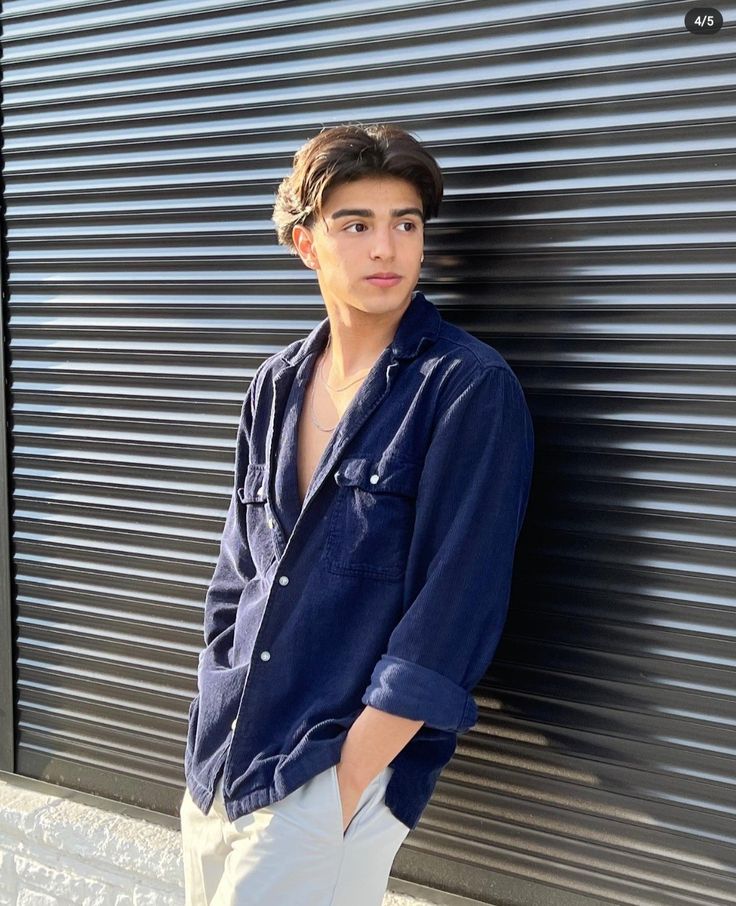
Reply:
x=383, y=243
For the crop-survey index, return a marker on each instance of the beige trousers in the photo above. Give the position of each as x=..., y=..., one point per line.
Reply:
x=292, y=852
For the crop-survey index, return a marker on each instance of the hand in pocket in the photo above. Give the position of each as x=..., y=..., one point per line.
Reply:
x=350, y=794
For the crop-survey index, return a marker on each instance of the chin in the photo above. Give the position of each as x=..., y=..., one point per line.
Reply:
x=386, y=299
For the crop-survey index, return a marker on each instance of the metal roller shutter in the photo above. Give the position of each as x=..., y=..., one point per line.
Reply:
x=587, y=233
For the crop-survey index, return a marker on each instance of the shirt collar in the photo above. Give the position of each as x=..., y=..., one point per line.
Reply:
x=419, y=326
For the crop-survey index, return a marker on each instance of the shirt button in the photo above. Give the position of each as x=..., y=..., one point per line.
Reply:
x=374, y=479
x=265, y=655
x=270, y=522
x=232, y=725
x=283, y=580
x=260, y=492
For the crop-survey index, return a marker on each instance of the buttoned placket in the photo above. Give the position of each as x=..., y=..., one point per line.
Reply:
x=281, y=388
x=371, y=392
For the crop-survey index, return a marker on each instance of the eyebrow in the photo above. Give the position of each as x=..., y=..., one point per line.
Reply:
x=366, y=212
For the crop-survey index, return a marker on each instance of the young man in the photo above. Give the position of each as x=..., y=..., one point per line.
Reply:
x=382, y=471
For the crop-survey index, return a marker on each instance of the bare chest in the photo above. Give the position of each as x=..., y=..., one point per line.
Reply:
x=311, y=440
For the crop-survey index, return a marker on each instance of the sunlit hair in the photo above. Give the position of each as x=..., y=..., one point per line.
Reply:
x=341, y=154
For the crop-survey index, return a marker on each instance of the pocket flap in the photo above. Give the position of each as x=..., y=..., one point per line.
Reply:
x=391, y=477
x=255, y=488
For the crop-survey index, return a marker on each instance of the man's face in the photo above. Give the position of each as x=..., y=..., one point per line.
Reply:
x=372, y=225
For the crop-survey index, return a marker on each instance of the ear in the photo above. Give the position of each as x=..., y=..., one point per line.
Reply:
x=304, y=244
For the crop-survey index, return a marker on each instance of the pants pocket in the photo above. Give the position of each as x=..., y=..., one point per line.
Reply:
x=371, y=797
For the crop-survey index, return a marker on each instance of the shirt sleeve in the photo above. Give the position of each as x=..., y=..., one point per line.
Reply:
x=471, y=503
x=234, y=565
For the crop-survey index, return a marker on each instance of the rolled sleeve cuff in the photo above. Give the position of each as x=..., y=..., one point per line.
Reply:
x=410, y=690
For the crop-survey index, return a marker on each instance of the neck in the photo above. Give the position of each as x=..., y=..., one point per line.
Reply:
x=353, y=346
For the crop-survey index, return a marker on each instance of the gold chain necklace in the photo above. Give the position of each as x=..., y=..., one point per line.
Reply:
x=334, y=389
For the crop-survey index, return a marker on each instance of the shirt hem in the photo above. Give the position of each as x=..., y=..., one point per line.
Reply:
x=282, y=786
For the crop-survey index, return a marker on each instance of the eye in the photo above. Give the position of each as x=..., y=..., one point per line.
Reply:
x=410, y=223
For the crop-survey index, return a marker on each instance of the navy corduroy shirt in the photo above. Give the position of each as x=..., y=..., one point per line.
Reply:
x=388, y=587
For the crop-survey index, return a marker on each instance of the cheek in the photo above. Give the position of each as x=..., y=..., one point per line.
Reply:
x=338, y=255
x=344, y=262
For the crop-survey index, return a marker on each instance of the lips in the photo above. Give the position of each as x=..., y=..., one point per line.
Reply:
x=387, y=280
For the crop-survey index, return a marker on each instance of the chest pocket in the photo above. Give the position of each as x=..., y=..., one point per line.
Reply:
x=373, y=518
x=259, y=522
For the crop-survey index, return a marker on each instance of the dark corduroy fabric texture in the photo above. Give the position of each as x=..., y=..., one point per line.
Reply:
x=389, y=586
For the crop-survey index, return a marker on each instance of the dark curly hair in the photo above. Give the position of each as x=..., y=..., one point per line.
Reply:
x=340, y=154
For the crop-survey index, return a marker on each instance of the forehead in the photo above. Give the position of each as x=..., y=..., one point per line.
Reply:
x=376, y=193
